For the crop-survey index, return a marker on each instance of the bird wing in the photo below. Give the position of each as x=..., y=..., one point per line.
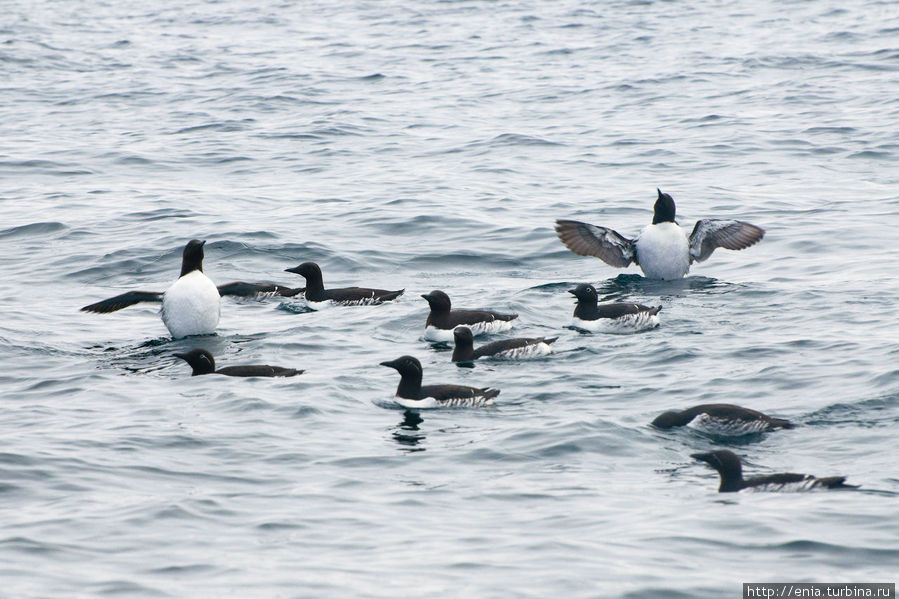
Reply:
x=241, y=289
x=590, y=240
x=353, y=294
x=123, y=301
x=711, y=233
x=258, y=370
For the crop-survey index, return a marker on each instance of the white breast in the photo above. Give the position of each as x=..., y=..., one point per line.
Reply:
x=624, y=325
x=434, y=334
x=459, y=402
x=663, y=251
x=191, y=306
x=418, y=404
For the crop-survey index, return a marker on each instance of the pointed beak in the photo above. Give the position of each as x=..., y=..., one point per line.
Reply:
x=388, y=364
x=573, y=292
x=182, y=356
x=702, y=457
x=660, y=192
x=202, y=243
x=426, y=296
x=294, y=270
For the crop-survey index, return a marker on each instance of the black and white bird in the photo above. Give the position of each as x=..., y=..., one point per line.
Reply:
x=508, y=349
x=662, y=250
x=347, y=296
x=202, y=362
x=730, y=470
x=192, y=304
x=411, y=393
x=443, y=319
x=722, y=419
x=618, y=317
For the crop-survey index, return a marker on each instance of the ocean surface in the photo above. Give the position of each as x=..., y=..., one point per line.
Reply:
x=431, y=145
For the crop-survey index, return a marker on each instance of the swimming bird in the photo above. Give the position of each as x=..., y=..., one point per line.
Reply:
x=730, y=469
x=722, y=419
x=411, y=393
x=511, y=349
x=618, y=317
x=347, y=296
x=202, y=362
x=443, y=319
x=192, y=304
x=662, y=250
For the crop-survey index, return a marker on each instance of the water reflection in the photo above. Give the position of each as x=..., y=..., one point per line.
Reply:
x=406, y=432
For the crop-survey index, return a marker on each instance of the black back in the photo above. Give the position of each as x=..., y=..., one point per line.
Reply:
x=442, y=315
x=663, y=211
x=258, y=370
x=192, y=257
x=720, y=411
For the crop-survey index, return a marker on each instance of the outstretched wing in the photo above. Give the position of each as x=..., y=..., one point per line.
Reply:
x=710, y=233
x=241, y=289
x=123, y=301
x=589, y=240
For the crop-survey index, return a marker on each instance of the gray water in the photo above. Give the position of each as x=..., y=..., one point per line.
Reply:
x=431, y=145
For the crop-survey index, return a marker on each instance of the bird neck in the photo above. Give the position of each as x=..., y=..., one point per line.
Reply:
x=410, y=386
x=585, y=309
x=463, y=351
x=315, y=287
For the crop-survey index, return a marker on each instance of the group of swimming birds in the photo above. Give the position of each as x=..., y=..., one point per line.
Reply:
x=191, y=306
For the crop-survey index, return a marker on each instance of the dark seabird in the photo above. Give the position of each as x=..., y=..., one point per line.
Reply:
x=411, y=393
x=662, y=250
x=347, y=296
x=443, y=319
x=192, y=304
x=202, y=362
x=722, y=419
x=510, y=349
x=618, y=317
x=729, y=468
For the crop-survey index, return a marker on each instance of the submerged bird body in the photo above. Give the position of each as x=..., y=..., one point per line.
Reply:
x=202, y=362
x=509, y=349
x=347, y=296
x=411, y=394
x=662, y=249
x=730, y=470
x=443, y=320
x=617, y=317
x=722, y=419
x=192, y=304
